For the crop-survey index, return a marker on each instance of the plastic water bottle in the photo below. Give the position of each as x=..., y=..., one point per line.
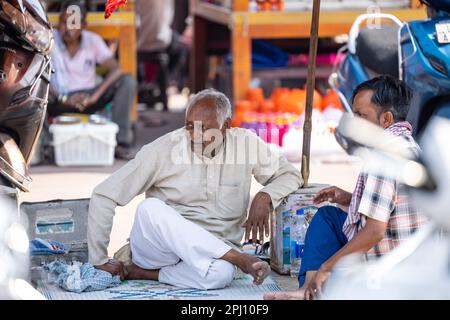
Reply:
x=298, y=231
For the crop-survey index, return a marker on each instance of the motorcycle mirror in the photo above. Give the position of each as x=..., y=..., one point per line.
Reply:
x=347, y=144
x=333, y=82
x=364, y=133
x=383, y=153
x=410, y=173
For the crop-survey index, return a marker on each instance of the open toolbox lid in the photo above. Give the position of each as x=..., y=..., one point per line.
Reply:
x=64, y=221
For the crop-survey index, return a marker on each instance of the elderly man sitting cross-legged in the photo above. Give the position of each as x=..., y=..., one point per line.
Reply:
x=197, y=180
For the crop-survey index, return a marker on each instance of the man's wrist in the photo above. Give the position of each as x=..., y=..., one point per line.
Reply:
x=266, y=197
x=95, y=96
x=350, y=196
x=325, y=267
x=347, y=199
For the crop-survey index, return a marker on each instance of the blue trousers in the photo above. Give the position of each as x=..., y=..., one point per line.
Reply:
x=323, y=239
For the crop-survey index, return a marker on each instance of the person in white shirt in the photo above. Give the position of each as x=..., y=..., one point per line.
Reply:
x=161, y=45
x=75, y=55
x=197, y=180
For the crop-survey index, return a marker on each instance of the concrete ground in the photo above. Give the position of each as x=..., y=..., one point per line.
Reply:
x=51, y=182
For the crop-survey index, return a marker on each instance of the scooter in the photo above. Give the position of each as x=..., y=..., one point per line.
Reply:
x=420, y=267
x=26, y=39
x=417, y=52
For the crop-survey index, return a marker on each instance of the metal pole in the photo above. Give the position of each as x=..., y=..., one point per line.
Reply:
x=311, y=83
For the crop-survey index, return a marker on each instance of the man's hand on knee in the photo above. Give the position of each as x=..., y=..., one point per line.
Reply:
x=258, y=218
x=334, y=195
x=116, y=268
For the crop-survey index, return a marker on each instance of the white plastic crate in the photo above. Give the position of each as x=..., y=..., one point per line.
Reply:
x=84, y=144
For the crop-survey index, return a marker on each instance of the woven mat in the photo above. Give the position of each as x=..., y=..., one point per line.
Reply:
x=241, y=288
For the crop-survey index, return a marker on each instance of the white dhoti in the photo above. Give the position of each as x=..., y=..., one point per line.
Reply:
x=187, y=255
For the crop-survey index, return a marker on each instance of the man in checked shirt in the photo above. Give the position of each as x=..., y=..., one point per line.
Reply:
x=379, y=215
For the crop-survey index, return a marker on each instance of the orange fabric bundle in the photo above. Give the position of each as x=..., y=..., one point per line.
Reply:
x=294, y=102
x=277, y=97
x=268, y=106
x=317, y=99
x=256, y=96
x=332, y=100
x=240, y=108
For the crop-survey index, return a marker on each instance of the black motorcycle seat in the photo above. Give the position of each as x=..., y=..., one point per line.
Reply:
x=377, y=49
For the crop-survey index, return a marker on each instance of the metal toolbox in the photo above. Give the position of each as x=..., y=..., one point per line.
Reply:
x=64, y=221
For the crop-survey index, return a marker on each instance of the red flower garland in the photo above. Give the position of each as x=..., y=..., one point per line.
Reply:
x=112, y=5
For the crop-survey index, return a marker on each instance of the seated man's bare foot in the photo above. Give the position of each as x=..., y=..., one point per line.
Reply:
x=133, y=272
x=286, y=295
x=256, y=267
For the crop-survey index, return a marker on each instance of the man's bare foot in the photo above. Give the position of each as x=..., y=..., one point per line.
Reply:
x=136, y=273
x=249, y=264
x=286, y=295
x=255, y=267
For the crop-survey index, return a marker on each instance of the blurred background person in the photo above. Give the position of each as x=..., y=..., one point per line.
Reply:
x=164, y=36
x=75, y=55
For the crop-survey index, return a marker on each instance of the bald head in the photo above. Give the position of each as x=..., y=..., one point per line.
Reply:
x=212, y=98
x=204, y=111
x=208, y=116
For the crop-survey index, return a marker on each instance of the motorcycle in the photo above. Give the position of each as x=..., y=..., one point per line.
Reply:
x=420, y=267
x=417, y=52
x=26, y=39
x=25, y=42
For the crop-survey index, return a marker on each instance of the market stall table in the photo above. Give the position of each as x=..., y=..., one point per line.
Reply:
x=245, y=26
